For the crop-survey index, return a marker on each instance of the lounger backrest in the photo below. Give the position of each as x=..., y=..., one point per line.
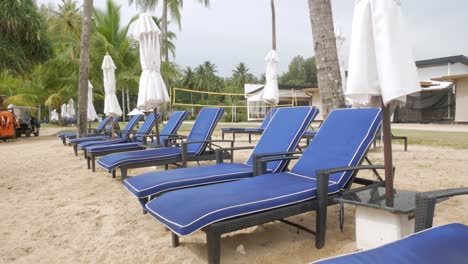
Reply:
x=343, y=140
x=112, y=123
x=268, y=117
x=146, y=127
x=203, y=129
x=283, y=133
x=173, y=124
x=103, y=123
x=131, y=124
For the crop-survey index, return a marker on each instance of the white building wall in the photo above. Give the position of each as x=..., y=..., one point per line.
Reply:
x=461, y=97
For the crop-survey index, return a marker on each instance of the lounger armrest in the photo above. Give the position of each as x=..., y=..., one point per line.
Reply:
x=185, y=144
x=425, y=205
x=351, y=168
x=219, y=153
x=261, y=160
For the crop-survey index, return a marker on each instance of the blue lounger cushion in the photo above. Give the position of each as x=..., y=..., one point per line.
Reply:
x=282, y=135
x=106, y=141
x=115, y=160
x=342, y=141
x=155, y=182
x=202, y=130
x=85, y=139
x=445, y=244
x=233, y=199
x=120, y=146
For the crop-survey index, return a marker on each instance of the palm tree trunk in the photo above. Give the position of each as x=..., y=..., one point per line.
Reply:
x=326, y=56
x=273, y=25
x=128, y=100
x=123, y=105
x=164, y=32
x=84, y=67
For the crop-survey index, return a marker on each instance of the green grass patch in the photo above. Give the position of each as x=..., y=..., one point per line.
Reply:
x=457, y=140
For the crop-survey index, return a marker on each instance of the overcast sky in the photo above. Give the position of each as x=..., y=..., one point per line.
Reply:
x=233, y=31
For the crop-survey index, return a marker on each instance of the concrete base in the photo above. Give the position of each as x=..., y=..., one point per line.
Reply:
x=376, y=227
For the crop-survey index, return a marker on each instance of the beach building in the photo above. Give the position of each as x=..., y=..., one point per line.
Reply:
x=444, y=95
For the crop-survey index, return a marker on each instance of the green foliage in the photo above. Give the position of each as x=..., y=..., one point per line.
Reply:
x=23, y=36
x=301, y=72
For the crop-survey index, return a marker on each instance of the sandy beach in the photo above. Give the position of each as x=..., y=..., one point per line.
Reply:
x=54, y=210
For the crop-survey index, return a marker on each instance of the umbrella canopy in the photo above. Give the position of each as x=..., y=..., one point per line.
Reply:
x=270, y=92
x=92, y=115
x=381, y=65
x=135, y=112
x=111, y=104
x=64, y=110
x=152, y=91
x=71, y=108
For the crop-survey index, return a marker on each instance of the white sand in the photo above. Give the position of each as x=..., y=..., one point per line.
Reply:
x=54, y=210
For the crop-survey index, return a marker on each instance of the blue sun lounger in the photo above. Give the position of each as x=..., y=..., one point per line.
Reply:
x=250, y=131
x=122, y=135
x=169, y=130
x=197, y=147
x=326, y=168
x=446, y=244
x=106, y=133
x=91, y=132
x=282, y=134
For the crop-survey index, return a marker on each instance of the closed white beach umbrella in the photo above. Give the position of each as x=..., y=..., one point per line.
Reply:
x=54, y=115
x=381, y=64
x=71, y=108
x=111, y=104
x=92, y=115
x=64, y=110
x=270, y=92
x=152, y=91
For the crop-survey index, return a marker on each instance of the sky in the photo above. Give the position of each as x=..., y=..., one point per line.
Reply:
x=229, y=32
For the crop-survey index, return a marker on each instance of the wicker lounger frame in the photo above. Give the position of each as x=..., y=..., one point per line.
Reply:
x=240, y=131
x=320, y=204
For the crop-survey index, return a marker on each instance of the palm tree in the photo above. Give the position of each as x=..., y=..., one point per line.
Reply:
x=84, y=67
x=188, y=78
x=23, y=42
x=173, y=7
x=112, y=38
x=328, y=68
x=241, y=75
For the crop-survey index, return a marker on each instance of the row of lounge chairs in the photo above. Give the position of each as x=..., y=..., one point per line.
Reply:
x=261, y=190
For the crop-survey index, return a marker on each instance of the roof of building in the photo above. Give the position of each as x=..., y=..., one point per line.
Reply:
x=444, y=60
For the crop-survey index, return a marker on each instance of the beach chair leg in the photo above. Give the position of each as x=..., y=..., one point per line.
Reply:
x=233, y=136
x=113, y=174
x=84, y=152
x=88, y=162
x=64, y=141
x=406, y=143
x=123, y=173
x=222, y=135
x=250, y=138
x=75, y=149
x=213, y=242
x=143, y=202
x=93, y=164
x=175, y=239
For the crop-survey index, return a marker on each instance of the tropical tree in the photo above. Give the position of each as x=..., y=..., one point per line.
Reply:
x=328, y=68
x=241, y=76
x=84, y=67
x=188, y=79
x=301, y=72
x=23, y=39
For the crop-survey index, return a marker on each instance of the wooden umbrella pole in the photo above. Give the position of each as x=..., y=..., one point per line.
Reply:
x=388, y=160
x=112, y=124
x=157, y=125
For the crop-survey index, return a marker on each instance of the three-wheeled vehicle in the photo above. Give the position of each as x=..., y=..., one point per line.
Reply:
x=28, y=124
